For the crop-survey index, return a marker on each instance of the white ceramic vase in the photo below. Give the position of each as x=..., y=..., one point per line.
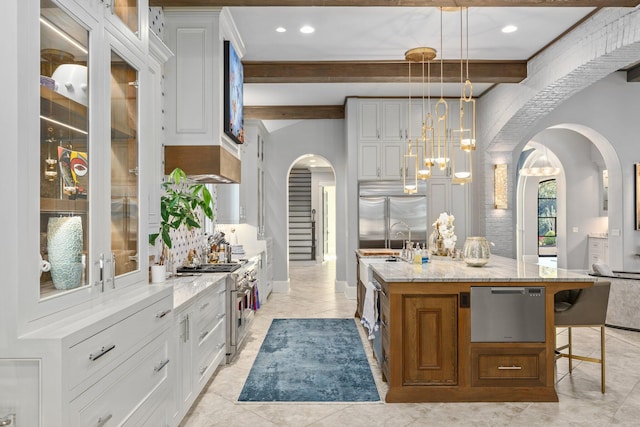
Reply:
x=64, y=245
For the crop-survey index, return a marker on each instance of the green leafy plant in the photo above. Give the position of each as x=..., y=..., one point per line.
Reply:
x=180, y=204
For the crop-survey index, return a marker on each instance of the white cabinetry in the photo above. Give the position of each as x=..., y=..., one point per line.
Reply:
x=244, y=203
x=84, y=134
x=199, y=340
x=380, y=160
x=598, y=250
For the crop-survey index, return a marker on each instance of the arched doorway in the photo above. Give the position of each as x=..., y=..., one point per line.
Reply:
x=311, y=210
x=586, y=202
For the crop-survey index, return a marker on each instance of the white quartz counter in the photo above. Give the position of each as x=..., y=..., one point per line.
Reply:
x=186, y=288
x=498, y=269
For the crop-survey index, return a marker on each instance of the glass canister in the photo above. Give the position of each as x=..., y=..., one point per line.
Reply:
x=475, y=251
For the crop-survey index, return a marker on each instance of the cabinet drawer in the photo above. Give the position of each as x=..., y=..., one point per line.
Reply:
x=211, y=352
x=211, y=307
x=511, y=367
x=116, y=398
x=93, y=358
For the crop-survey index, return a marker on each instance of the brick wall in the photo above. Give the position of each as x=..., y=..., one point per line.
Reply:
x=507, y=115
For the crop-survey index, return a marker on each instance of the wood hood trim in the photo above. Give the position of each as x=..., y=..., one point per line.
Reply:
x=203, y=163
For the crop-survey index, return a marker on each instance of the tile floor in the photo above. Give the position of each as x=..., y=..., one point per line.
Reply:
x=312, y=295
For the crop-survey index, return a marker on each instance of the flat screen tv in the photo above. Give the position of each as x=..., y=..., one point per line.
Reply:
x=233, y=80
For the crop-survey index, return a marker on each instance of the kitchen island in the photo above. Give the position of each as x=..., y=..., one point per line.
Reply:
x=429, y=353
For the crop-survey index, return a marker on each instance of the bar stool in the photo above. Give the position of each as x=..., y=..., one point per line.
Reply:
x=583, y=308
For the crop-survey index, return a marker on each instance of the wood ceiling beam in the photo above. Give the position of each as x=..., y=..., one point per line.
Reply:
x=399, y=3
x=379, y=71
x=293, y=112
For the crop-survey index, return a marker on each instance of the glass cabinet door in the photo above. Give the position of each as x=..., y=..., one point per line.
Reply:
x=64, y=151
x=127, y=12
x=124, y=166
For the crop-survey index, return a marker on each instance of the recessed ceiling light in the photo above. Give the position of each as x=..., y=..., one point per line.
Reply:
x=307, y=29
x=281, y=30
x=509, y=29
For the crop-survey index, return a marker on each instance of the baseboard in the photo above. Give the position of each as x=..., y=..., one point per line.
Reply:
x=350, y=292
x=281, y=286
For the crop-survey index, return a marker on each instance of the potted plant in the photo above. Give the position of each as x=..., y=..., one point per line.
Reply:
x=179, y=205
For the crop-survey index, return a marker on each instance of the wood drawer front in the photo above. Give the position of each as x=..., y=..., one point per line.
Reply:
x=211, y=306
x=93, y=358
x=508, y=367
x=211, y=352
x=117, y=398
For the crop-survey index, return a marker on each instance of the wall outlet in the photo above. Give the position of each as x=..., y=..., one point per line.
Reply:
x=574, y=229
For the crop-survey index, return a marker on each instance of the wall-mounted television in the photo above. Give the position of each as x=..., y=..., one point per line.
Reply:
x=233, y=108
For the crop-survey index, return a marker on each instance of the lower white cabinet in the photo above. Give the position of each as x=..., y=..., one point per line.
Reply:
x=109, y=365
x=199, y=340
x=598, y=250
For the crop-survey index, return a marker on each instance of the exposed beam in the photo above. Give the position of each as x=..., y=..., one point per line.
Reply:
x=399, y=3
x=294, y=112
x=378, y=71
x=633, y=74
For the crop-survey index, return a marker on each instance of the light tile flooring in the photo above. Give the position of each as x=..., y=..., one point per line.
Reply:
x=312, y=295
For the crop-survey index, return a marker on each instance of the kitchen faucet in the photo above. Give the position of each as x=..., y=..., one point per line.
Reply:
x=408, y=230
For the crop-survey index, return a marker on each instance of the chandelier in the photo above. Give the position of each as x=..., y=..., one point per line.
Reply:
x=545, y=170
x=437, y=138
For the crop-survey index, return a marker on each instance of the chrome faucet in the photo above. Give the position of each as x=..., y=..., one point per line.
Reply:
x=406, y=248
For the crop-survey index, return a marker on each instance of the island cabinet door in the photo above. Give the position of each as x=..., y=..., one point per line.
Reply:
x=430, y=340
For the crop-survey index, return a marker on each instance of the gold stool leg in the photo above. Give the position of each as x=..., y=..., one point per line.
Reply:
x=602, y=387
x=570, y=351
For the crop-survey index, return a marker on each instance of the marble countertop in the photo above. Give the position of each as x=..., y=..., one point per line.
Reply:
x=187, y=288
x=498, y=269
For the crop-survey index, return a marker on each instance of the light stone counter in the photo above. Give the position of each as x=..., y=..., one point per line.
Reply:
x=498, y=269
x=186, y=288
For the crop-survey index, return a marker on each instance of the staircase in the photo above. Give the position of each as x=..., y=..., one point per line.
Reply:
x=301, y=228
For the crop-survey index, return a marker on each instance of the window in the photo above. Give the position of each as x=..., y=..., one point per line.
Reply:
x=547, y=211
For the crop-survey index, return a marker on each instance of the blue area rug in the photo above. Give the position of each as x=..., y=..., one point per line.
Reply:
x=311, y=360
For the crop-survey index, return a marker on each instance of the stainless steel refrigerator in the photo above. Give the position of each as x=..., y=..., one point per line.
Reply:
x=383, y=208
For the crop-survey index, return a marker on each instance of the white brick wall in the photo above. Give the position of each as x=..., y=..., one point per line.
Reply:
x=604, y=43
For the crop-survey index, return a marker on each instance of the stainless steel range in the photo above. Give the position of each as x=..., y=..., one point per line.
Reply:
x=241, y=306
x=241, y=299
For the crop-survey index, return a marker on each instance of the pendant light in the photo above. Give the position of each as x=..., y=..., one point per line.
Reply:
x=423, y=55
x=466, y=132
x=441, y=115
x=410, y=158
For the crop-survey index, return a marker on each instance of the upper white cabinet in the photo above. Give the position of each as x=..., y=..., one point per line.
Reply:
x=369, y=121
x=89, y=163
x=244, y=203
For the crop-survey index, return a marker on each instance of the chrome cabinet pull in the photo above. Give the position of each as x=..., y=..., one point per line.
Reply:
x=220, y=316
x=104, y=350
x=103, y=421
x=221, y=345
x=113, y=270
x=205, y=305
x=161, y=365
x=509, y=368
x=203, y=369
x=222, y=291
x=203, y=334
x=7, y=420
x=185, y=330
x=161, y=314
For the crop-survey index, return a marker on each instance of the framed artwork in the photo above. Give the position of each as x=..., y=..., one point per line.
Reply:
x=637, y=181
x=233, y=94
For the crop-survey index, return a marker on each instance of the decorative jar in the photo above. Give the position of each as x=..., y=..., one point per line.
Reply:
x=476, y=252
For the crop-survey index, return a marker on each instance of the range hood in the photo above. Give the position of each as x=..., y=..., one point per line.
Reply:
x=211, y=164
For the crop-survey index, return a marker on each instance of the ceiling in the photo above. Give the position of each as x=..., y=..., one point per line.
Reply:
x=358, y=48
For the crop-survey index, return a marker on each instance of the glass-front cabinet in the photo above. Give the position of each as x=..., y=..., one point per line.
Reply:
x=89, y=150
